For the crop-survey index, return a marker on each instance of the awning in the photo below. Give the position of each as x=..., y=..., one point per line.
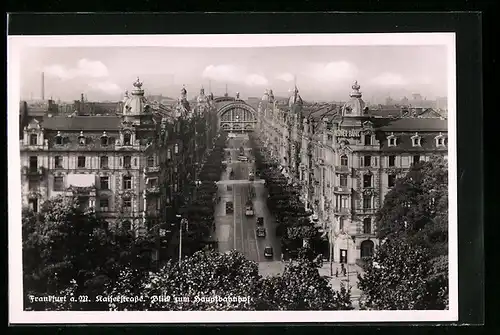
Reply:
x=80, y=180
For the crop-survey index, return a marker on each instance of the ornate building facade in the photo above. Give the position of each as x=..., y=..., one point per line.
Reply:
x=346, y=159
x=127, y=166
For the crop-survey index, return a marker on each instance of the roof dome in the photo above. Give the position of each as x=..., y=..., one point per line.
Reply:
x=134, y=104
x=265, y=97
x=355, y=106
x=202, y=97
x=295, y=98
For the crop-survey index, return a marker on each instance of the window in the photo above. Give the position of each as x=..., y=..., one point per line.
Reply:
x=58, y=162
x=127, y=182
x=416, y=140
x=367, y=201
x=81, y=161
x=104, y=182
x=343, y=180
x=153, y=182
x=127, y=161
x=392, y=160
x=368, y=139
x=392, y=142
x=343, y=160
x=104, y=204
x=33, y=184
x=33, y=139
x=367, y=180
x=126, y=225
x=416, y=159
x=58, y=183
x=367, y=161
x=151, y=161
x=81, y=139
x=440, y=142
x=59, y=140
x=33, y=205
x=344, y=202
x=104, y=162
x=127, y=205
x=127, y=139
x=33, y=163
x=341, y=223
x=391, y=180
x=104, y=141
x=367, y=226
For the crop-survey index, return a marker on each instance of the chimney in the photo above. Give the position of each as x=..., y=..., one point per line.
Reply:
x=43, y=86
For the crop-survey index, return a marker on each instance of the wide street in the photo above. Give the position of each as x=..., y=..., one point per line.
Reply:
x=235, y=231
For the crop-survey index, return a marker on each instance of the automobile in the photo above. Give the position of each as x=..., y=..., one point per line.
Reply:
x=242, y=158
x=229, y=207
x=251, y=176
x=268, y=252
x=260, y=221
x=261, y=232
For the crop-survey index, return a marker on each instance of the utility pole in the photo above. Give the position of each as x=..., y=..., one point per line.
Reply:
x=330, y=239
x=180, y=238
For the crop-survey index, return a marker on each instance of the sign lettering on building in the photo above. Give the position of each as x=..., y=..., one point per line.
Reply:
x=348, y=133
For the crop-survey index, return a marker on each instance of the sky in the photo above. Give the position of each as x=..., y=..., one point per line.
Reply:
x=324, y=73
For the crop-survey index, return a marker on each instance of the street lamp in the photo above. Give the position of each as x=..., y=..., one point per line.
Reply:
x=182, y=222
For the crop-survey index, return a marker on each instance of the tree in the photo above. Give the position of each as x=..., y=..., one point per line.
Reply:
x=396, y=279
x=203, y=276
x=415, y=214
x=63, y=248
x=417, y=207
x=301, y=287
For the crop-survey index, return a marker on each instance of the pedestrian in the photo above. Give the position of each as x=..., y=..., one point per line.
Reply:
x=337, y=272
x=344, y=271
x=282, y=257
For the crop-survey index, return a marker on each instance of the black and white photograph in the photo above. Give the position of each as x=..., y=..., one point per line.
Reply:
x=254, y=178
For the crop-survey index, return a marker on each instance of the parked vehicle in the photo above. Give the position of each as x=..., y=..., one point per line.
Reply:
x=261, y=232
x=260, y=221
x=268, y=252
x=242, y=158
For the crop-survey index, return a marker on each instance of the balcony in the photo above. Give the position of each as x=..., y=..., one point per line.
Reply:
x=342, y=169
x=342, y=211
x=34, y=171
x=151, y=169
x=342, y=189
x=367, y=210
x=152, y=190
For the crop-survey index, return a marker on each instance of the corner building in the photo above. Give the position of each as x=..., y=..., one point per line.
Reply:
x=133, y=166
x=346, y=159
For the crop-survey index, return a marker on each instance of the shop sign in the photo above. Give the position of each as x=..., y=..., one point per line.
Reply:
x=347, y=133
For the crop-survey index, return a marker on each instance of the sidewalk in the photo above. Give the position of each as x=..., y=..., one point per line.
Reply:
x=351, y=279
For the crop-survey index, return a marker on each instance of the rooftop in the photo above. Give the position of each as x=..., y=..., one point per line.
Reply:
x=82, y=123
x=412, y=124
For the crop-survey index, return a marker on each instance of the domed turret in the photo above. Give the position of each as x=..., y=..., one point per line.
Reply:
x=265, y=97
x=183, y=94
x=202, y=98
x=134, y=104
x=355, y=106
x=295, y=98
x=271, y=96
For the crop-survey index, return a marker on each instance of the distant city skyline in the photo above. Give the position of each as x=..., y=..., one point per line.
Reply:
x=320, y=72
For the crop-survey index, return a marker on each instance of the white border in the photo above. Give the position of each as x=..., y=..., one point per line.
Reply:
x=15, y=46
